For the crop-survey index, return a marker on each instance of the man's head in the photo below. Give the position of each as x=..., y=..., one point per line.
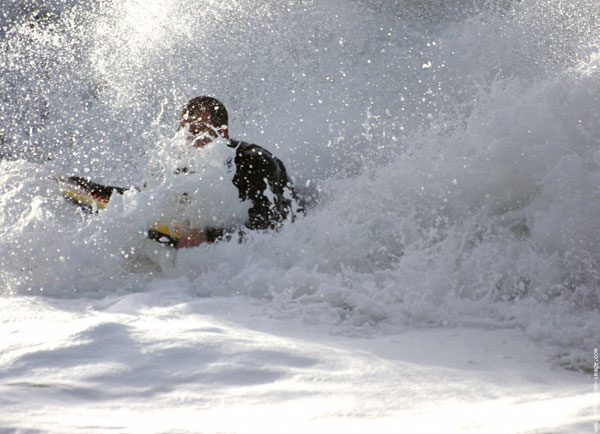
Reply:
x=206, y=119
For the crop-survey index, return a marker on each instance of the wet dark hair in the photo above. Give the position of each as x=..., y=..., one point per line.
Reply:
x=208, y=104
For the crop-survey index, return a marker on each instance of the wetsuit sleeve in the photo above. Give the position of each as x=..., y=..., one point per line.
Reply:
x=253, y=171
x=260, y=178
x=216, y=234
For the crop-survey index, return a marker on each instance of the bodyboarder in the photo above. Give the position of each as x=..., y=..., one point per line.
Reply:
x=260, y=177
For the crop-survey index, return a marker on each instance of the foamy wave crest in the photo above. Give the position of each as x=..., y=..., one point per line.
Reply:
x=456, y=151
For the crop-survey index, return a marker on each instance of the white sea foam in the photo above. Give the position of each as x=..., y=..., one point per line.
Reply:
x=461, y=193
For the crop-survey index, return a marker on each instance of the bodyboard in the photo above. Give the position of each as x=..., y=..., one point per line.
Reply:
x=93, y=197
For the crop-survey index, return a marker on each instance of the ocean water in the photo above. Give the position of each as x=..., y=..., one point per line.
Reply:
x=451, y=149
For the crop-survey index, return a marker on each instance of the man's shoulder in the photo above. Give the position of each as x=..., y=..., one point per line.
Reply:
x=245, y=149
x=242, y=146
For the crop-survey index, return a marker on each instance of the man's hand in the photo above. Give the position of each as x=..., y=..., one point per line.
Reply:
x=191, y=238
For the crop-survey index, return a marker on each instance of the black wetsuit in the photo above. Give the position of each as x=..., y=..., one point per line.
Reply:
x=261, y=178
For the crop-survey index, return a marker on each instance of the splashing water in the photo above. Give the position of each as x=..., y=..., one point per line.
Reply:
x=456, y=149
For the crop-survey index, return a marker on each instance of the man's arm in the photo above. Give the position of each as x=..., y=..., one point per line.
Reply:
x=257, y=171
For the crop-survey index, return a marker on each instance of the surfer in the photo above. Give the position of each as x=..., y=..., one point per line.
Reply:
x=260, y=177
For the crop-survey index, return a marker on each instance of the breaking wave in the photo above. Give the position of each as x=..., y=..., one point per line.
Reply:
x=455, y=151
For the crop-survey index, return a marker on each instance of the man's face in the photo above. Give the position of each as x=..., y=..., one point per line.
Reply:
x=201, y=129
